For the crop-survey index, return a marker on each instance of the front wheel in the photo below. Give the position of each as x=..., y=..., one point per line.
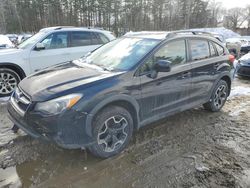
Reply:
x=219, y=97
x=9, y=80
x=112, y=131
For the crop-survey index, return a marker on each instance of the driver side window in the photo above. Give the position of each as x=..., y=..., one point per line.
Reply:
x=56, y=40
x=174, y=52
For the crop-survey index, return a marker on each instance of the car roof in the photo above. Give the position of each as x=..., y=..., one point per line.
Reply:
x=71, y=28
x=162, y=35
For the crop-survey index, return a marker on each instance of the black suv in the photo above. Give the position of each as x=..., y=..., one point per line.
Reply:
x=97, y=102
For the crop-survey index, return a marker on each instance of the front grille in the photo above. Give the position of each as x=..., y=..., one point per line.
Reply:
x=20, y=101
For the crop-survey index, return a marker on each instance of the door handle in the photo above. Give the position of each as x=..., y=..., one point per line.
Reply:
x=185, y=75
x=66, y=54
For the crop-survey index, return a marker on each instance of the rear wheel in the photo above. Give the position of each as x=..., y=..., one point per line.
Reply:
x=112, y=131
x=219, y=97
x=9, y=80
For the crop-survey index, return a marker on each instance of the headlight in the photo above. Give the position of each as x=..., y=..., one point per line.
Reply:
x=58, y=105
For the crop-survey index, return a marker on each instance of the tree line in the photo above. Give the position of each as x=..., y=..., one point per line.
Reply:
x=119, y=16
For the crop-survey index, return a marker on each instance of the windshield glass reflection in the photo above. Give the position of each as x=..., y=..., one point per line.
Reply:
x=121, y=54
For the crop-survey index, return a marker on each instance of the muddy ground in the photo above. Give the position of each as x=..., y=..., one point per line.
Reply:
x=195, y=149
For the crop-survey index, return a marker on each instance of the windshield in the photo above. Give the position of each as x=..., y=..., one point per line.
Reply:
x=31, y=41
x=121, y=54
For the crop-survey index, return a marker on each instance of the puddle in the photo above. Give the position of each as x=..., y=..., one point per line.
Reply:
x=61, y=165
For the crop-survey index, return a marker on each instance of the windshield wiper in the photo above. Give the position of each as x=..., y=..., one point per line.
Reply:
x=104, y=68
x=93, y=65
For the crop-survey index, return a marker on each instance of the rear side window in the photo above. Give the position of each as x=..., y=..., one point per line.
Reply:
x=99, y=38
x=220, y=49
x=212, y=50
x=96, y=39
x=199, y=49
x=79, y=38
x=103, y=38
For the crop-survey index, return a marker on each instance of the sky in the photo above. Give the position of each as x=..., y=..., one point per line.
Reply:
x=234, y=3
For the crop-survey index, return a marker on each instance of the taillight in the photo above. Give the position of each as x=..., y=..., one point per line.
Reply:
x=231, y=58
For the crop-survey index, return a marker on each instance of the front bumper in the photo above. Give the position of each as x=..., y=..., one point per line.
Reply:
x=244, y=70
x=66, y=130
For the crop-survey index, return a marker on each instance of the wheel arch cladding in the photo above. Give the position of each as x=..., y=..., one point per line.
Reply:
x=124, y=101
x=228, y=80
x=15, y=68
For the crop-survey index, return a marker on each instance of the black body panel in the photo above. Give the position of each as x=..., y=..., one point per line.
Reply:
x=148, y=99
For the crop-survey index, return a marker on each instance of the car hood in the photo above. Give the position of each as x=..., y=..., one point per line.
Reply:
x=10, y=51
x=62, y=79
x=245, y=57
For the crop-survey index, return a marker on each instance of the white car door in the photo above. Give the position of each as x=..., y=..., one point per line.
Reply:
x=56, y=51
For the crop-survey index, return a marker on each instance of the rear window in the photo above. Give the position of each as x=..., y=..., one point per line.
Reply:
x=220, y=49
x=199, y=49
x=99, y=38
x=212, y=50
x=103, y=38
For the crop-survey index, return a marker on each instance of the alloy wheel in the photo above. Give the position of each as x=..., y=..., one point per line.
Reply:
x=220, y=96
x=8, y=83
x=113, y=133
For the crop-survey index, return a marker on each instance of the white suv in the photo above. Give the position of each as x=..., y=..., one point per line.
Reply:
x=50, y=46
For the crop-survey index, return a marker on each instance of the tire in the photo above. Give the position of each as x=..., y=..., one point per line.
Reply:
x=112, y=131
x=9, y=80
x=218, y=98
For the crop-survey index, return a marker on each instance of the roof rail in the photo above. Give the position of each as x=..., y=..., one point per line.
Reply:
x=55, y=28
x=61, y=27
x=97, y=28
x=193, y=32
x=145, y=33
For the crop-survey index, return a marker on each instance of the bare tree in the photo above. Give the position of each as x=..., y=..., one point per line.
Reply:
x=119, y=16
x=235, y=18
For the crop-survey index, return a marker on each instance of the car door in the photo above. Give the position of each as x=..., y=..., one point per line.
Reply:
x=166, y=92
x=83, y=42
x=204, y=61
x=55, y=51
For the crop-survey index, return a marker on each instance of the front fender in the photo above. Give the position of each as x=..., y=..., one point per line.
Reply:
x=105, y=102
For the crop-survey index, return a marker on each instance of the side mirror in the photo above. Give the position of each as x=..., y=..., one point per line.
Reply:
x=39, y=46
x=162, y=66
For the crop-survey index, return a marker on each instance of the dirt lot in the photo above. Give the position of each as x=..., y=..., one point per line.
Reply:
x=193, y=149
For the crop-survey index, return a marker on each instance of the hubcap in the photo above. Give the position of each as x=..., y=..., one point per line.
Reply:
x=8, y=83
x=220, y=96
x=113, y=133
